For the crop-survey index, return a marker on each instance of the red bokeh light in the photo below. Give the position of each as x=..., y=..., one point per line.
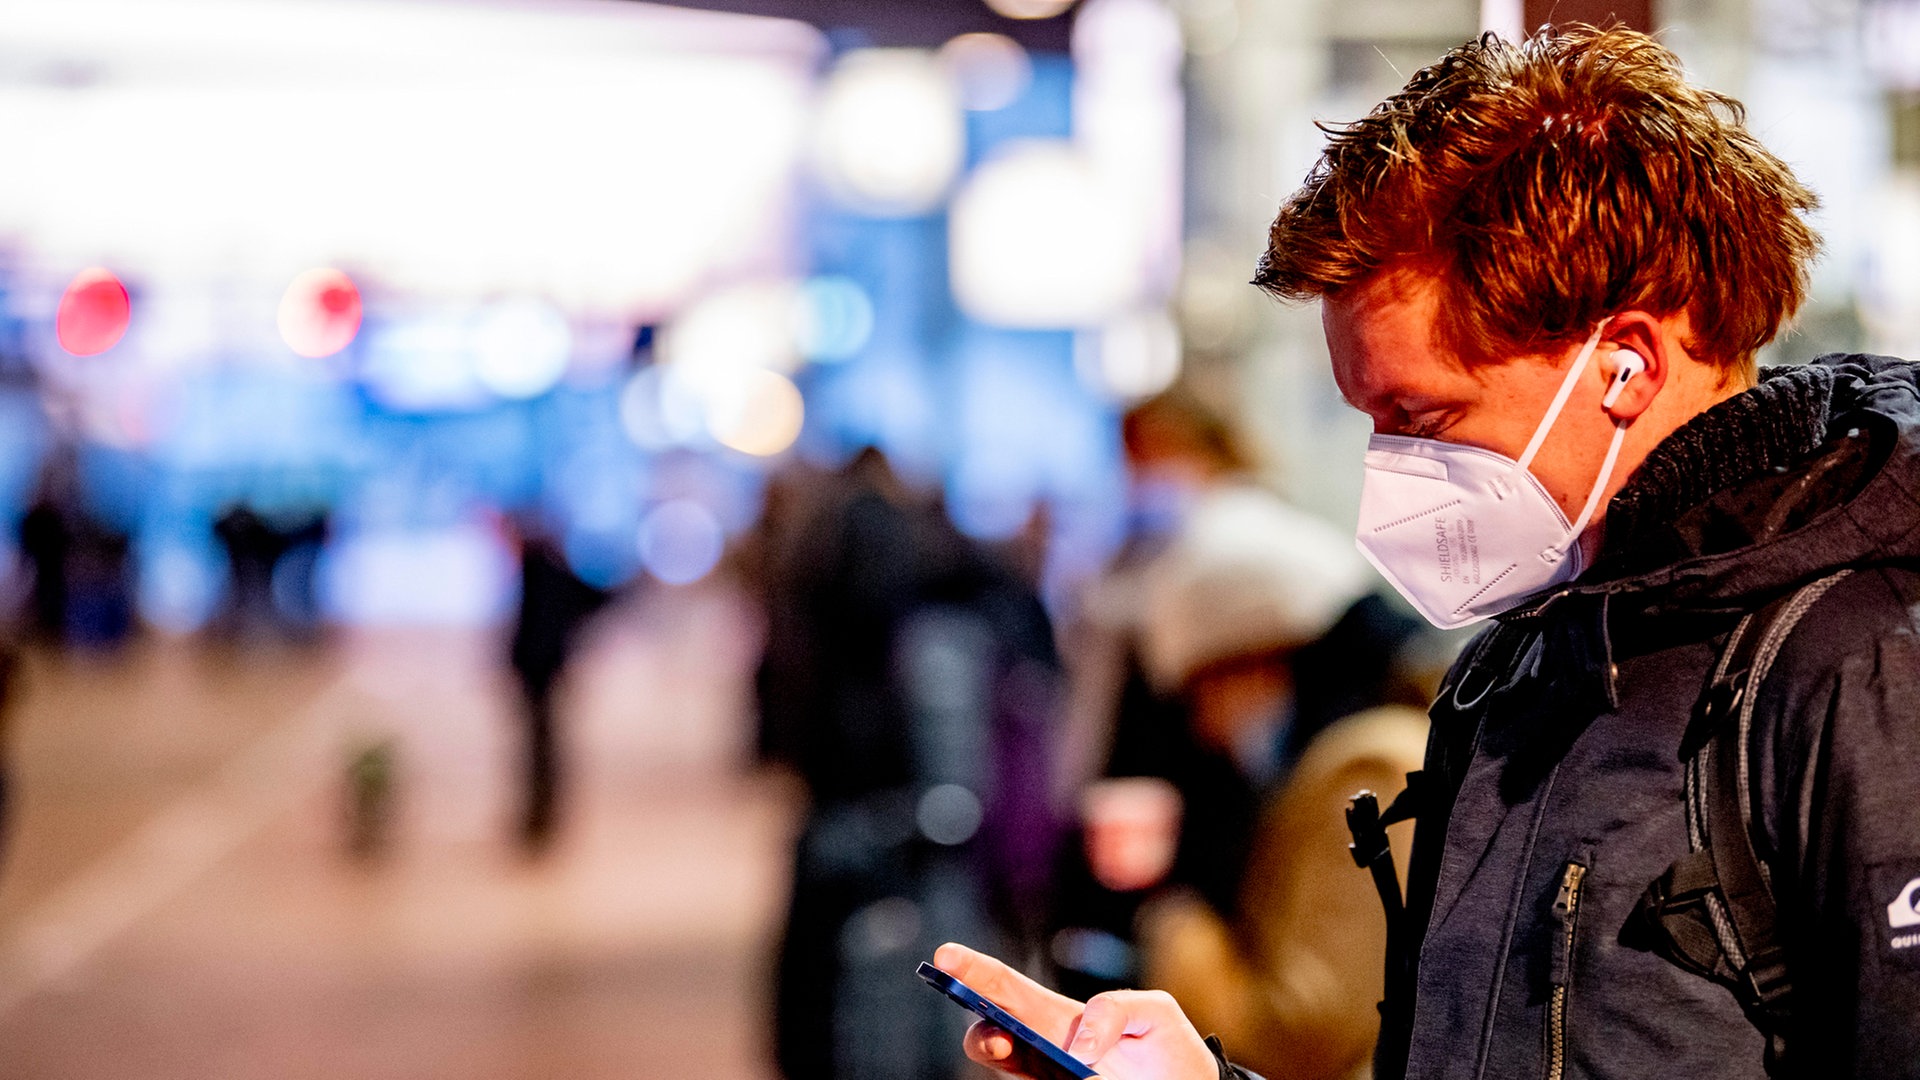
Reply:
x=320, y=313
x=94, y=313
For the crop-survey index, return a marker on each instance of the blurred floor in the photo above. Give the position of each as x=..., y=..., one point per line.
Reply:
x=175, y=900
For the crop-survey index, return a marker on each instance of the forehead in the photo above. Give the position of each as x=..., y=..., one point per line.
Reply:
x=1383, y=338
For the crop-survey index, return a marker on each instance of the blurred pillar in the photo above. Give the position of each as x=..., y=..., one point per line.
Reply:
x=1636, y=14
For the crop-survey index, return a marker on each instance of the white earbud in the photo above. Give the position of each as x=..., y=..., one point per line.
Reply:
x=1627, y=364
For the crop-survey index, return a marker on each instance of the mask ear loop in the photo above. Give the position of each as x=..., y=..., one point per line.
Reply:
x=1560, y=399
x=1558, y=551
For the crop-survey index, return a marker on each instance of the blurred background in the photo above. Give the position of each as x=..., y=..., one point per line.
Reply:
x=582, y=537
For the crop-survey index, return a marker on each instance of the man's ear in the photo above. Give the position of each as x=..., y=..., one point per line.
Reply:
x=1636, y=356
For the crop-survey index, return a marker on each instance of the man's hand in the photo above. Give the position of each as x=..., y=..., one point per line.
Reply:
x=1125, y=1034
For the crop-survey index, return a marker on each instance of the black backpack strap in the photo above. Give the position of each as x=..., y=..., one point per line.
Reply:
x=1713, y=912
x=1367, y=824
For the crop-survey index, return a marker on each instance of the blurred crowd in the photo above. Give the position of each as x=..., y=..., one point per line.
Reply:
x=1141, y=783
x=1144, y=786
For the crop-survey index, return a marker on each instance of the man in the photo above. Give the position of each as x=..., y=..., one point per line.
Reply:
x=1544, y=271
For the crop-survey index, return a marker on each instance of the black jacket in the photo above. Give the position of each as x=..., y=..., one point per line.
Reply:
x=1556, y=742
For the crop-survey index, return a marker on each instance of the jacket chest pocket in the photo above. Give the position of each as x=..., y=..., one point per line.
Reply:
x=1566, y=927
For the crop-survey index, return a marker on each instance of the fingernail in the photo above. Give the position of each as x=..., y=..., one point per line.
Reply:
x=1082, y=1047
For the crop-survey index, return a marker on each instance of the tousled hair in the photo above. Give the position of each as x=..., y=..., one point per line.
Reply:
x=1548, y=184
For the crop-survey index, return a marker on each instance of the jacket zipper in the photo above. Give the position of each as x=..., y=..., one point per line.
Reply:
x=1566, y=907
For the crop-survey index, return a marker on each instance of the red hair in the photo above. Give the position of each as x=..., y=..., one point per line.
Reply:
x=1552, y=183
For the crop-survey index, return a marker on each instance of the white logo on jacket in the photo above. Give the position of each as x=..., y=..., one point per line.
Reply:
x=1905, y=911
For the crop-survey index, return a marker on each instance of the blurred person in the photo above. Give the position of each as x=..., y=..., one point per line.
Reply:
x=920, y=722
x=1291, y=977
x=80, y=591
x=269, y=572
x=1176, y=449
x=763, y=559
x=9, y=690
x=1232, y=629
x=1260, y=619
x=1665, y=825
x=555, y=607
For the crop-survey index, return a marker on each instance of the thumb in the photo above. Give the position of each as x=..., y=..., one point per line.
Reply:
x=1101, y=1024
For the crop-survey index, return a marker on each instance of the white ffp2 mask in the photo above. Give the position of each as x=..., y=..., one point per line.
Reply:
x=1464, y=533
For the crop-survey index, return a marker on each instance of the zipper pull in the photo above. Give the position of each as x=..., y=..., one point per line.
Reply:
x=1565, y=905
x=1569, y=896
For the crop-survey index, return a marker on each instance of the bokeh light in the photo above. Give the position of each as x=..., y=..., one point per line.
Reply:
x=759, y=413
x=320, y=313
x=1040, y=241
x=1135, y=40
x=1133, y=357
x=992, y=70
x=835, y=317
x=521, y=347
x=658, y=411
x=680, y=542
x=746, y=326
x=889, y=138
x=1029, y=9
x=94, y=313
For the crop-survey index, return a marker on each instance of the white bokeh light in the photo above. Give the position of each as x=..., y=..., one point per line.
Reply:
x=888, y=135
x=1030, y=9
x=992, y=70
x=1132, y=357
x=521, y=347
x=755, y=325
x=1039, y=239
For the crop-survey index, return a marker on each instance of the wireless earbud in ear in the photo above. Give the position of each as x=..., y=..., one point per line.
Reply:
x=1627, y=364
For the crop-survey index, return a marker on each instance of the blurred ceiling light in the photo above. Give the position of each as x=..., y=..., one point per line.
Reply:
x=319, y=313
x=888, y=135
x=94, y=313
x=1133, y=357
x=491, y=146
x=1039, y=241
x=992, y=70
x=761, y=413
x=1029, y=9
x=680, y=542
x=521, y=347
x=835, y=318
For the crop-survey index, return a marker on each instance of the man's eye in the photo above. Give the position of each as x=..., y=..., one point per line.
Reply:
x=1426, y=424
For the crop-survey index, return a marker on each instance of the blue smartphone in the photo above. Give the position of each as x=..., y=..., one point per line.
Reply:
x=1049, y=1056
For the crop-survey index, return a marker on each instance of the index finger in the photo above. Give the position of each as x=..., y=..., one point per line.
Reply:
x=1051, y=1015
